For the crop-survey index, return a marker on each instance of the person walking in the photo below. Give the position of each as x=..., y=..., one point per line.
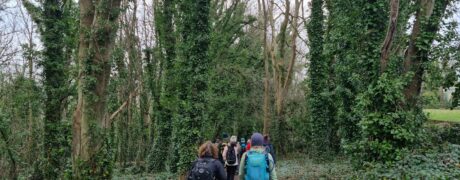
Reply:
x=257, y=164
x=269, y=147
x=230, y=155
x=207, y=167
x=243, y=147
x=248, y=145
x=220, y=148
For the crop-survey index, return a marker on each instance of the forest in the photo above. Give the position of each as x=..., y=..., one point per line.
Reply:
x=129, y=89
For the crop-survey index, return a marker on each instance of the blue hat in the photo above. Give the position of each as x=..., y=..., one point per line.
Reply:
x=257, y=139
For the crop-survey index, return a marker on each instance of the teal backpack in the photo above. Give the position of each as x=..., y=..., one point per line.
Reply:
x=257, y=166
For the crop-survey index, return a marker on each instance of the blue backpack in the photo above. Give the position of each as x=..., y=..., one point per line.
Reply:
x=257, y=166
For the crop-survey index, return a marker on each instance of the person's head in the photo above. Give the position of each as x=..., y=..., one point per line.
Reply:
x=242, y=140
x=257, y=140
x=208, y=149
x=233, y=140
x=266, y=139
x=218, y=141
x=249, y=141
x=224, y=135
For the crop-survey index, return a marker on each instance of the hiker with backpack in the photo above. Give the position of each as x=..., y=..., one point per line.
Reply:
x=207, y=167
x=269, y=147
x=243, y=147
x=257, y=164
x=230, y=155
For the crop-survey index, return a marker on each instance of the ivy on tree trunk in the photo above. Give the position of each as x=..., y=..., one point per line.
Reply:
x=91, y=153
x=191, y=73
x=55, y=24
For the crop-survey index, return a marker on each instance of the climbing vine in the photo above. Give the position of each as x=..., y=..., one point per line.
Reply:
x=322, y=109
x=191, y=72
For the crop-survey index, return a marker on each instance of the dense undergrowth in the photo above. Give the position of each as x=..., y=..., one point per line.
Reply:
x=436, y=157
x=439, y=163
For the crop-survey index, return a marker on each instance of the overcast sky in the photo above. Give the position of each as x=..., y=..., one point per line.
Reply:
x=15, y=23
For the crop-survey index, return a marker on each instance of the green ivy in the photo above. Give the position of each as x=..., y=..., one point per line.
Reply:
x=191, y=71
x=387, y=127
x=161, y=82
x=321, y=104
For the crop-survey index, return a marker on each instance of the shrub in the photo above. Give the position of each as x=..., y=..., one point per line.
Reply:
x=439, y=163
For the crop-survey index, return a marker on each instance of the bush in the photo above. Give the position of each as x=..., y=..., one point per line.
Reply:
x=388, y=129
x=439, y=163
x=440, y=133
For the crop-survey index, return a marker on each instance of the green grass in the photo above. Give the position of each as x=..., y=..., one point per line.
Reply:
x=443, y=115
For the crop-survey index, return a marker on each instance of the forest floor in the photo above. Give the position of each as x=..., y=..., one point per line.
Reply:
x=443, y=115
x=296, y=167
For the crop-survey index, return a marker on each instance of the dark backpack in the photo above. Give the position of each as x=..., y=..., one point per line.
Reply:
x=202, y=170
x=231, y=155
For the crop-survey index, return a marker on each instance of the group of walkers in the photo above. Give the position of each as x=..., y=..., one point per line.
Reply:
x=222, y=160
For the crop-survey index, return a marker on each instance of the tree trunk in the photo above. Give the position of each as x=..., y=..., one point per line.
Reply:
x=278, y=63
x=191, y=68
x=160, y=68
x=385, y=51
x=52, y=28
x=266, y=107
x=319, y=103
x=286, y=82
x=426, y=25
x=98, y=25
x=30, y=138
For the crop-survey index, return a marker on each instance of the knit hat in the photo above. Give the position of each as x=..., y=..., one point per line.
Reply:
x=257, y=139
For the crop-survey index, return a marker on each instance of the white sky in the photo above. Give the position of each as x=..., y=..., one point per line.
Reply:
x=15, y=23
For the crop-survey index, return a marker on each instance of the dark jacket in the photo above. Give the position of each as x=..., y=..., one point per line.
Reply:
x=216, y=167
x=220, y=150
x=270, y=148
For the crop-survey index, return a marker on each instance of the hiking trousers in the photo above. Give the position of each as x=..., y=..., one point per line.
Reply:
x=231, y=170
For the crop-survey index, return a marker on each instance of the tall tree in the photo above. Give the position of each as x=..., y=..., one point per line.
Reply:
x=321, y=104
x=282, y=63
x=380, y=112
x=54, y=19
x=235, y=69
x=266, y=104
x=352, y=42
x=98, y=26
x=191, y=69
x=160, y=68
x=285, y=69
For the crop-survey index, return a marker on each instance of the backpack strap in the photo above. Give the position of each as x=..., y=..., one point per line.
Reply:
x=268, y=162
x=246, y=161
